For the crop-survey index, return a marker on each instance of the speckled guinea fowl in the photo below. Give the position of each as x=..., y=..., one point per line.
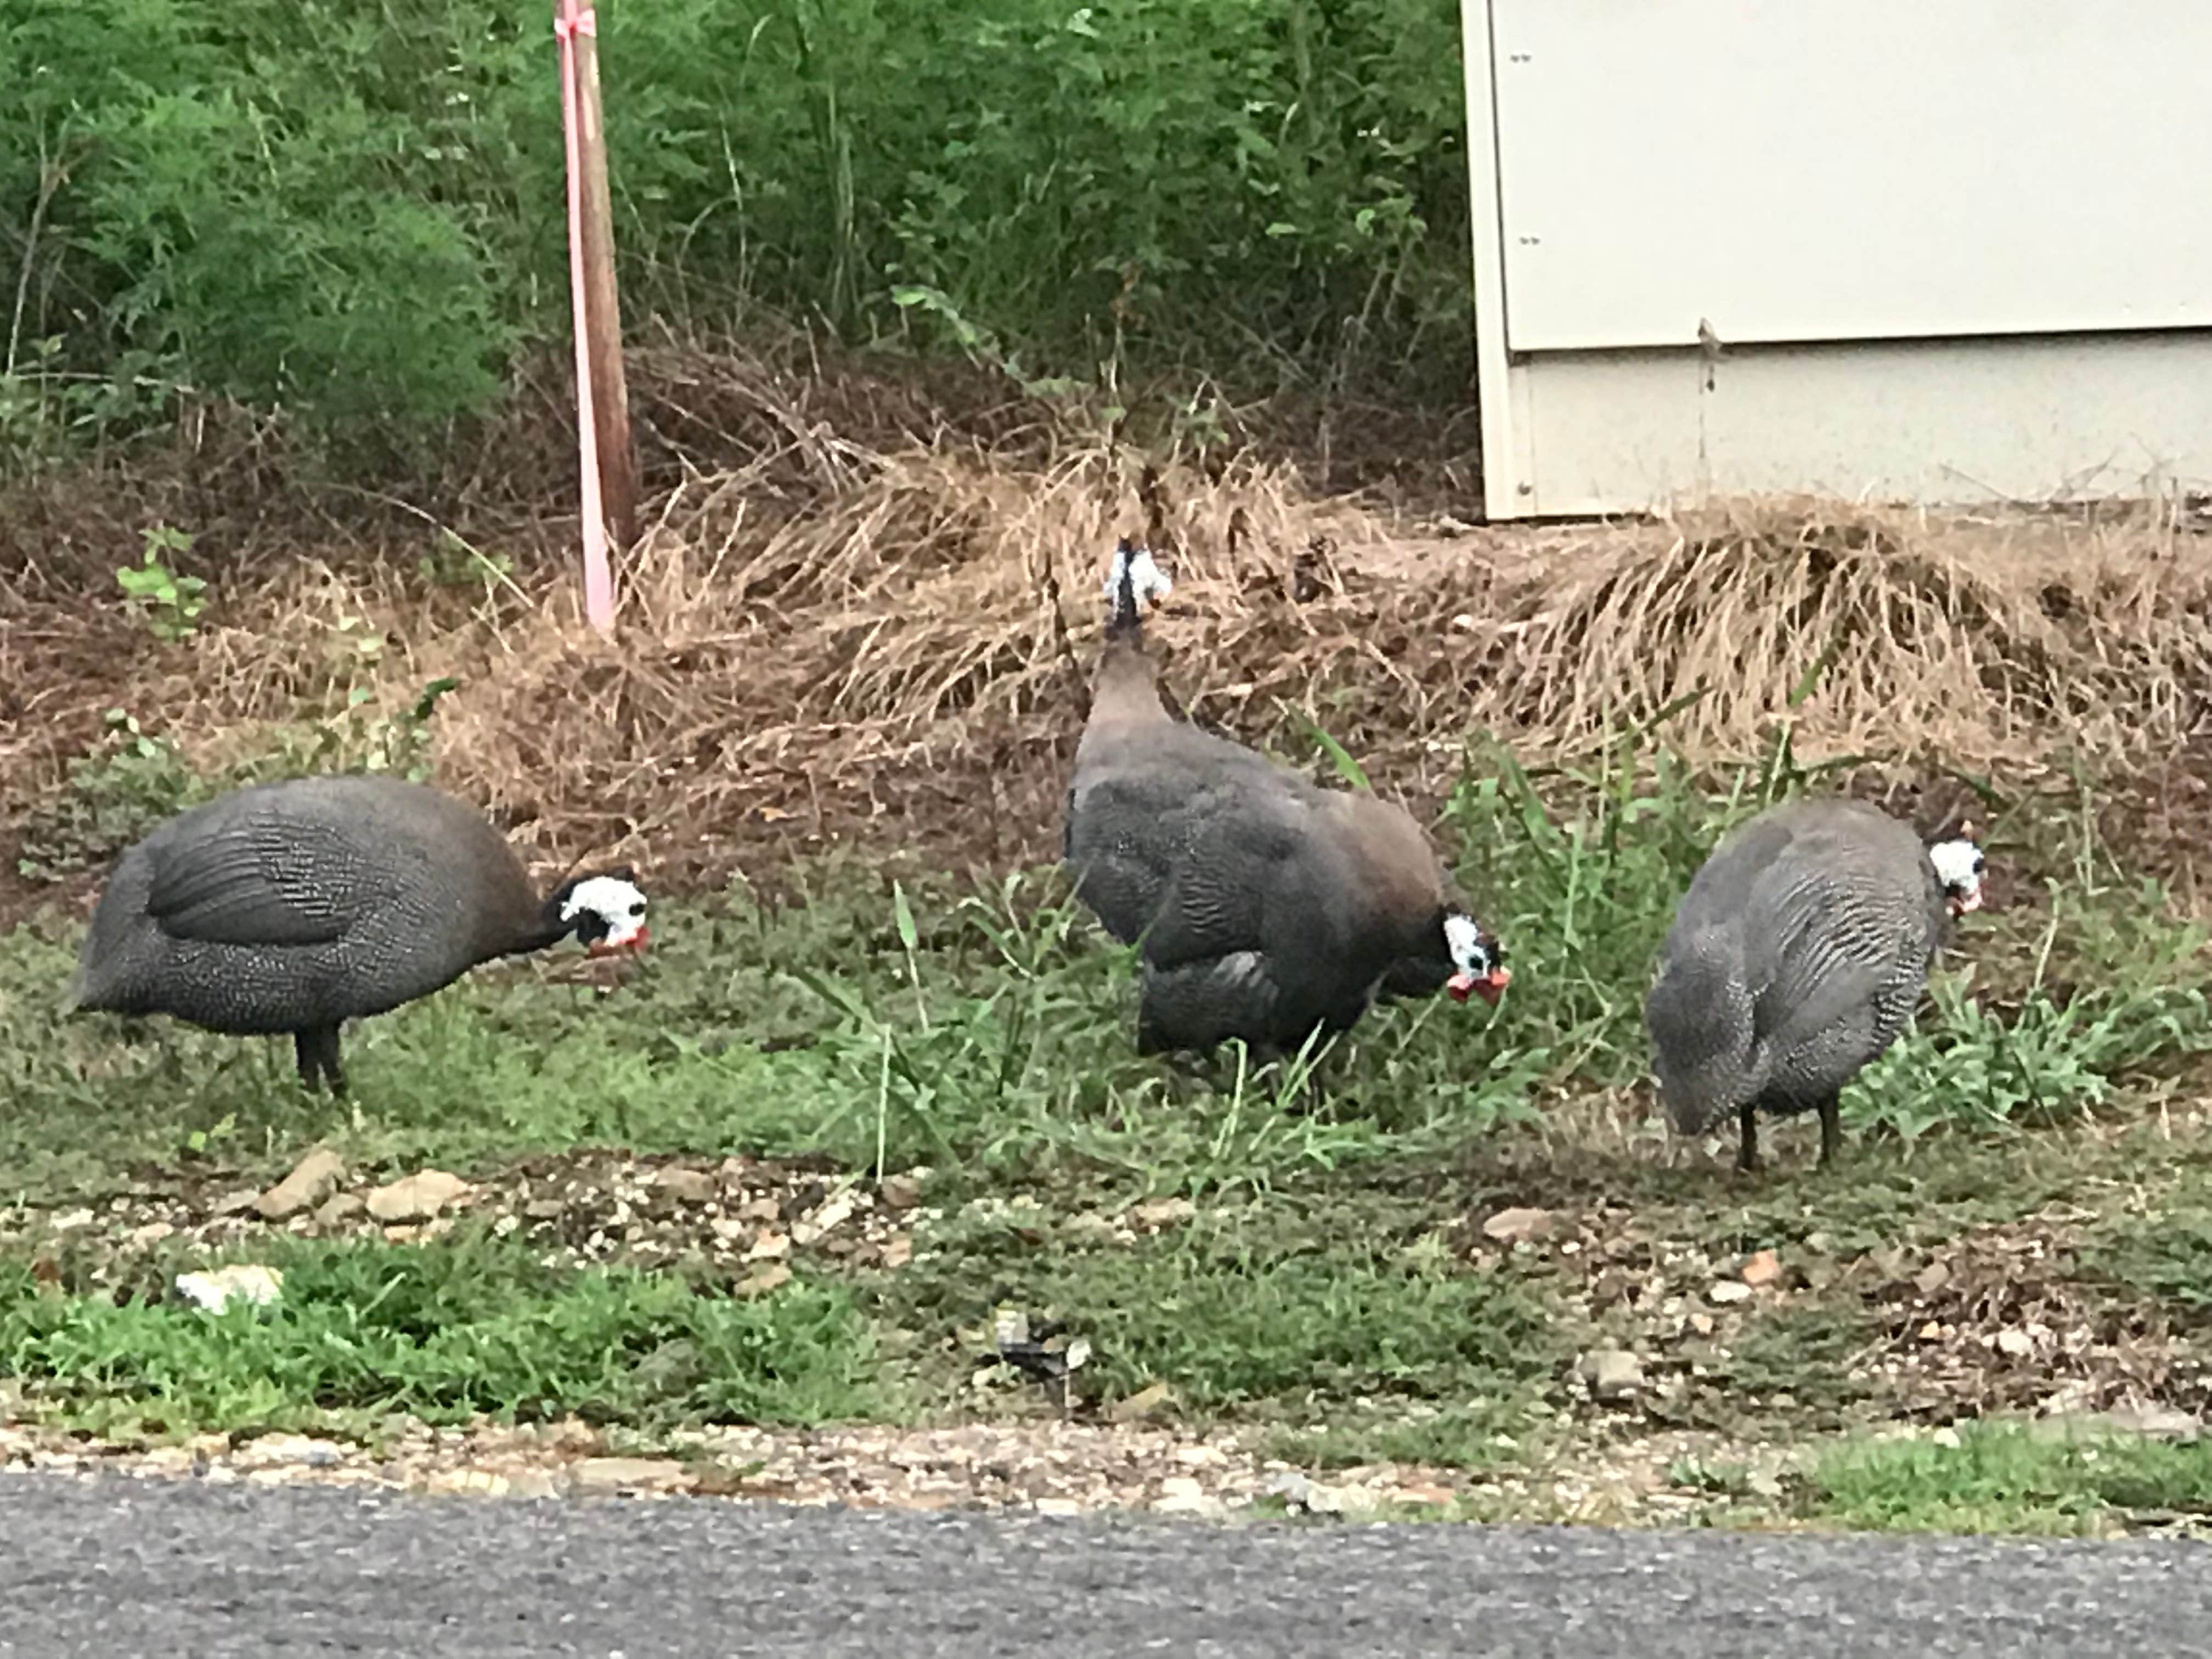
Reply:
x=293, y=907
x=1267, y=906
x=1795, y=959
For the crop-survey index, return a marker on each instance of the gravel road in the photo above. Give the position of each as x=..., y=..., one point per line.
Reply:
x=112, y=1566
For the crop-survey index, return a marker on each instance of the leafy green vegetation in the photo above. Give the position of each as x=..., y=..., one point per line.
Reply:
x=1249, y=1306
x=475, y=1326
x=2006, y=1478
x=1813, y=1357
x=356, y=215
x=2167, y=1255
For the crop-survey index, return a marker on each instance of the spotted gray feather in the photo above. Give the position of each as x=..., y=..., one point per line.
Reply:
x=293, y=907
x=1795, y=959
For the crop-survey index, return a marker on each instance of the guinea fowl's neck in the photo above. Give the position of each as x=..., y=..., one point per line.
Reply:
x=1127, y=686
x=539, y=928
x=1127, y=683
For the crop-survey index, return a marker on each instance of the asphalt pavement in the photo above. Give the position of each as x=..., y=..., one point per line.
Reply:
x=116, y=1567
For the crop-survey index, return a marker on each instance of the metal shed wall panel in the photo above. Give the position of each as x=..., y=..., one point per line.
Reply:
x=1849, y=169
x=1951, y=248
x=1949, y=421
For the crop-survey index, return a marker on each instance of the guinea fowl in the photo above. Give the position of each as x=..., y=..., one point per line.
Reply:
x=1795, y=959
x=1265, y=907
x=297, y=906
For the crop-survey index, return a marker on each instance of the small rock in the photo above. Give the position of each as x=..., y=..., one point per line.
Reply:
x=313, y=1178
x=1060, y=1506
x=769, y=1246
x=1612, y=1373
x=218, y=1288
x=898, y=1250
x=1702, y=1323
x=1819, y=1272
x=1931, y=1279
x=2015, y=1343
x=418, y=1197
x=532, y=1483
x=1519, y=1226
x=832, y=1215
x=1931, y=1332
x=1291, y=1485
x=1764, y=1267
x=605, y=1476
x=761, y=1280
x=688, y=1186
x=2152, y=1422
x=1181, y=1495
x=70, y=1220
x=899, y=1193
x=1136, y=1407
x=545, y=1209
x=1426, y=1494
x=1729, y=1290
x=271, y=1451
x=1161, y=1213
x=340, y=1209
x=470, y=1482
x=237, y=1203
x=2160, y=1422
x=152, y=1233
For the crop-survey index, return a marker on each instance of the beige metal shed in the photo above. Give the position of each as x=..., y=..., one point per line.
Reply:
x=1941, y=250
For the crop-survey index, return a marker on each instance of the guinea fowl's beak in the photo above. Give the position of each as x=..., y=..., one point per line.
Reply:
x=631, y=945
x=1962, y=903
x=1489, y=987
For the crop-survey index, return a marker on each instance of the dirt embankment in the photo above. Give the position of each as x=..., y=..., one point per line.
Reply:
x=864, y=609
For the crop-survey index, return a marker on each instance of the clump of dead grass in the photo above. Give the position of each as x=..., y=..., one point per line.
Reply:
x=849, y=612
x=1968, y=636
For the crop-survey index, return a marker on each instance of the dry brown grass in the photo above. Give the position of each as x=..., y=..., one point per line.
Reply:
x=864, y=616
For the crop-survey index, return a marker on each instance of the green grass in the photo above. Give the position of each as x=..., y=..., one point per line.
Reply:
x=475, y=1327
x=1321, y=1288
x=1812, y=1359
x=1265, y=1310
x=2164, y=1257
x=2008, y=1478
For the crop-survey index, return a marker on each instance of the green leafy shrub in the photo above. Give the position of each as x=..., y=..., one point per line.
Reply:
x=357, y=216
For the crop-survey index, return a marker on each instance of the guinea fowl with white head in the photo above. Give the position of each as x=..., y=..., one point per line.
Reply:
x=1795, y=959
x=295, y=907
x=1265, y=907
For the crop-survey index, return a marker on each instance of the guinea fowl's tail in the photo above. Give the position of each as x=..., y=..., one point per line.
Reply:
x=1701, y=1032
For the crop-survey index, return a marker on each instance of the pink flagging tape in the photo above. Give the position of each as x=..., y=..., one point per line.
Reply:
x=570, y=20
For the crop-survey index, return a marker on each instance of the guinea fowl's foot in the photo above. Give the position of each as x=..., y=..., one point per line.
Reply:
x=316, y=1051
x=1187, y=1073
x=1831, y=1133
x=1746, y=1151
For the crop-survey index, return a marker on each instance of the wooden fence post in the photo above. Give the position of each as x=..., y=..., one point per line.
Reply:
x=606, y=455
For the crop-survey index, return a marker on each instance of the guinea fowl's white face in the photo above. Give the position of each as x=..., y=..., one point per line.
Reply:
x=1146, y=579
x=1959, y=865
x=1478, y=961
x=608, y=913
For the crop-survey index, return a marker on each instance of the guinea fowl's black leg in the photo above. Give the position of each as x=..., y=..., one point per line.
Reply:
x=1746, y=1154
x=1832, y=1130
x=316, y=1050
